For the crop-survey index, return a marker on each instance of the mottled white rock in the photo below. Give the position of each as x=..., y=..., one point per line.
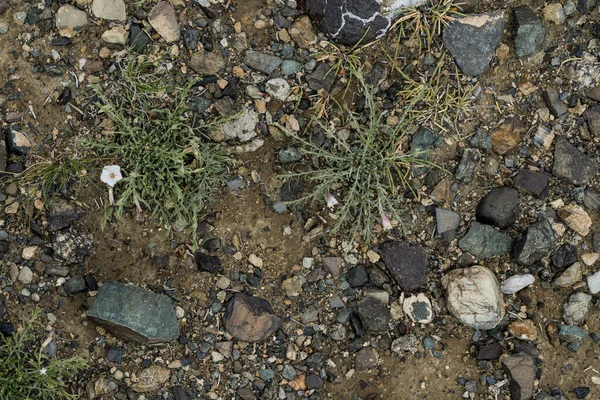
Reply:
x=516, y=283
x=593, y=282
x=116, y=35
x=576, y=308
x=278, y=88
x=473, y=296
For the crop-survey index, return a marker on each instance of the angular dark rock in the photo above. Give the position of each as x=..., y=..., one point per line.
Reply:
x=564, y=256
x=531, y=33
x=348, y=21
x=500, y=207
x=472, y=40
x=520, y=369
x=322, y=77
x=483, y=241
x=61, y=214
x=115, y=354
x=489, y=352
x=138, y=39
x=262, y=62
x=210, y=264
x=357, y=276
x=374, y=315
x=535, y=244
x=592, y=117
x=591, y=198
x=250, y=319
x=571, y=164
x=554, y=104
x=75, y=285
x=406, y=262
x=17, y=142
x=124, y=311
x=533, y=182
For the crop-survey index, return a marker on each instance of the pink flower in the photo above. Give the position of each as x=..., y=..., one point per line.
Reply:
x=331, y=201
x=385, y=222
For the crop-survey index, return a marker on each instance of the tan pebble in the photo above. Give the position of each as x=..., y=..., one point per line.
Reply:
x=104, y=52
x=261, y=106
x=12, y=208
x=590, y=259
x=238, y=72
x=255, y=260
x=260, y=24
x=222, y=83
x=237, y=27
x=29, y=252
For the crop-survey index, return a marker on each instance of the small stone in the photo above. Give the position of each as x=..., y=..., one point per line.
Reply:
x=483, y=241
x=516, y=283
x=500, y=207
x=474, y=297
x=591, y=198
x=25, y=276
x=533, y=182
x=523, y=329
x=302, y=32
x=592, y=117
x=163, y=20
x=250, y=319
x=572, y=333
x=314, y=381
x=374, y=315
x=115, y=355
x=447, y=221
x=576, y=218
x=210, y=264
x=406, y=344
x=570, y=276
x=489, y=352
x=17, y=142
x=151, y=379
x=61, y=214
x=593, y=281
x=590, y=259
x=289, y=155
x=116, y=35
x=179, y=312
x=544, y=137
x=243, y=127
x=467, y=165
x=138, y=39
x=418, y=308
x=507, y=136
x=521, y=371
x=357, y=276
x=321, y=78
x=29, y=252
x=278, y=88
x=72, y=246
x=113, y=10
x=255, y=260
x=293, y=286
x=576, y=309
x=406, y=262
x=531, y=32
x=472, y=40
x=571, y=164
x=206, y=63
x=71, y=17
x=262, y=62
x=555, y=13
x=553, y=102
x=75, y=285
x=123, y=310
x=565, y=255
x=537, y=242
x=333, y=265
x=366, y=358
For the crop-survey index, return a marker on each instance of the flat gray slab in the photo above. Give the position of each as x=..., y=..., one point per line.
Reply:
x=132, y=313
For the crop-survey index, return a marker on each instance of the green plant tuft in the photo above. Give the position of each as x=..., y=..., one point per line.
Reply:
x=169, y=165
x=27, y=373
x=366, y=172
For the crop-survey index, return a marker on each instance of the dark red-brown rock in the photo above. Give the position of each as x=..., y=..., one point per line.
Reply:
x=251, y=319
x=406, y=262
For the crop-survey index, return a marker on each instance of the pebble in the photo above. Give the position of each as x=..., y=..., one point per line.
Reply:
x=593, y=281
x=570, y=276
x=418, y=308
x=576, y=309
x=516, y=283
x=113, y=10
x=163, y=20
x=25, y=275
x=406, y=344
x=366, y=358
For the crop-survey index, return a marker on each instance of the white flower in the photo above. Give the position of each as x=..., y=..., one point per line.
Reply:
x=385, y=222
x=111, y=174
x=43, y=371
x=331, y=201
